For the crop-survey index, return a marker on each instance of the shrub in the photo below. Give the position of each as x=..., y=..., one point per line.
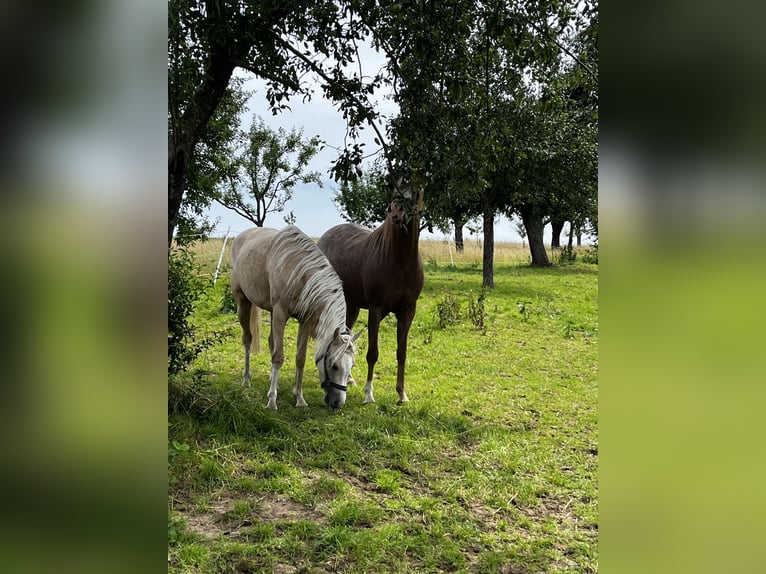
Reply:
x=566, y=255
x=476, y=311
x=591, y=255
x=448, y=310
x=184, y=289
x=228, y=304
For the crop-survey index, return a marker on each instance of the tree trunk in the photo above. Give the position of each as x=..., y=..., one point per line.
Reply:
x=579, y=239
x=459, y=235
x=533, y=223
x=571, y=235
x=557, y=225
x=488, y=215
x=186, y=131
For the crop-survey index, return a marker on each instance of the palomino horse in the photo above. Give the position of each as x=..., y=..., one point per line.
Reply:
x=285, y=273
x=381, y=271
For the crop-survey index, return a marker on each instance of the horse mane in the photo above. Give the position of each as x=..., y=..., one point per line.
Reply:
x=312, y=285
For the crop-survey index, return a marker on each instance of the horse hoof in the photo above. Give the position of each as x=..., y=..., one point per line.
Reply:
x=272, y=406
x=301, y=403
x=403, y=399
x=368, y=400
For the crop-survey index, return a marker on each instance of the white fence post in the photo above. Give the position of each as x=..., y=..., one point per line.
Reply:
x=220, y=257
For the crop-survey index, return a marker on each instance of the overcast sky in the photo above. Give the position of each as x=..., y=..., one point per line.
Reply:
x=314, y=210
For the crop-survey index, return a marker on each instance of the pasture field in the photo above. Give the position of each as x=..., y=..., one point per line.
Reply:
x=492, y=466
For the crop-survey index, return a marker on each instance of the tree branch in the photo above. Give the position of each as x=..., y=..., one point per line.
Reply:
x=317, y=69
x=566, y=50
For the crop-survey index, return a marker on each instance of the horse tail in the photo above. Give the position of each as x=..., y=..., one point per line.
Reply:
x=255, y=329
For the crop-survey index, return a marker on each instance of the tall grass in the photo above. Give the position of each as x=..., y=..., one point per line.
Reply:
x=433, y=252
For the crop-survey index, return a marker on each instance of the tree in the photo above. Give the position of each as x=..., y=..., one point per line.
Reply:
x=462, y=70
x=364, y=199
x=267, y=172
x=282, y=42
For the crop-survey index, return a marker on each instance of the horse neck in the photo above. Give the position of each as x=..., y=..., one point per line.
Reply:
x=392, y=239
x=321, y=306
x=331, y=317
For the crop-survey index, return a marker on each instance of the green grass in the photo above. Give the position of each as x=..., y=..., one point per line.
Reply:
x=492, y=466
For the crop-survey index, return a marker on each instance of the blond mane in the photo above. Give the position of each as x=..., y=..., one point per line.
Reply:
x=313, y=284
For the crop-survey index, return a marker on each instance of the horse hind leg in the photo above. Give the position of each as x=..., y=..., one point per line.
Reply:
x=245, y=312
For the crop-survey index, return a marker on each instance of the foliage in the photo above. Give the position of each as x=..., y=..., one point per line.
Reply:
x=226, y=303
x=184, y=289
x=281, y=42
x=213, y=162
x=363, y=200
x=566, y=255
x=492, y=97
x=591, y=255
x=267, y=170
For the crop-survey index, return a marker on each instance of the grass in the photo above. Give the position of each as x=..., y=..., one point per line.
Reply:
x=492, y=466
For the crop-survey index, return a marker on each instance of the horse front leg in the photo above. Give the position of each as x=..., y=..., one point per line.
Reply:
x=300, y=362
x=244, y=308
x=373, y=325
x=276, y=344
x=351, y=315
x=403, y=322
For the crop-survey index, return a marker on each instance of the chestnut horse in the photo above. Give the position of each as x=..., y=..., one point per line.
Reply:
x=381, y=271
x=284, y=272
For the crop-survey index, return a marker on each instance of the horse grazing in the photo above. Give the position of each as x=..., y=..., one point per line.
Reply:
x=381, y=271
x=285, y=273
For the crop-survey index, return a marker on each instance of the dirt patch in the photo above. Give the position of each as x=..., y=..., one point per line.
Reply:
x=209, y=523
x=276, y=507
x=217, y=521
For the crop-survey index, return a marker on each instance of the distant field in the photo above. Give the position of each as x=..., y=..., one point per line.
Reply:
x=430, y=251
x=491, y=468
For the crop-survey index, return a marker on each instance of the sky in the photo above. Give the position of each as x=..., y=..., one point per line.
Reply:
x=313, y=207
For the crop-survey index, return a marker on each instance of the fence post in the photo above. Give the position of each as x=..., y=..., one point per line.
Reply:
x=220, y=257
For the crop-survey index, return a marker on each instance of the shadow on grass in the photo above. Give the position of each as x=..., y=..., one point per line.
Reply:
x=379, y=436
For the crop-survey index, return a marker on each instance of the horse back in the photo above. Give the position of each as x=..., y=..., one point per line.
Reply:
x=344, y=247
x=372, y=275
x=249, y=257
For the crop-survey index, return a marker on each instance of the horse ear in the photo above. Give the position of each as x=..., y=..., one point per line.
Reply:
x=356, y=335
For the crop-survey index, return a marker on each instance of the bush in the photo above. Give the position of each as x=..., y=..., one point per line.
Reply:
x=591, y=255
x=228, y=304
x=566, y=255
x=476, y=311
x=448, y=310
x=184, y=289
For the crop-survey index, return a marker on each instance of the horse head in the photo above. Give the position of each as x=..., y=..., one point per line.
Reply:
x=335, y=366
x=405, y=205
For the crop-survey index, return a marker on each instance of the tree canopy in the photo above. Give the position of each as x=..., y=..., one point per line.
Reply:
x=497, y=100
